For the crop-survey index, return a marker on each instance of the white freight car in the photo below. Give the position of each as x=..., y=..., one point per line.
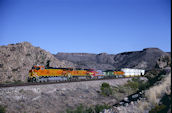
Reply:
x=128, y=72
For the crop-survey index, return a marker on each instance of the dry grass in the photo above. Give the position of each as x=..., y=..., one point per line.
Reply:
x=143, y=105
x=154, y=93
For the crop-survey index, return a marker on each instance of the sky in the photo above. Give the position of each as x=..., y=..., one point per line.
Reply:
x=87, y=26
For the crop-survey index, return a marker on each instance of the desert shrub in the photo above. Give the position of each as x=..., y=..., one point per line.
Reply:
x=121, y=90
x=2, y=109
x=13, y=82
x=28, y=54
x=132, y=84
x=21, y=90
x=158, y=76
x=158, y=109
x=17, y=82
x=80, y=109
x=105, y=85
x=93, y=109
x=136, y=84
x=166, y=100
x=15, y=70
x=143, y=85
x=99, y=108
x=165, y=105
x=106, y=89
x=135, y=79
x=89, y=110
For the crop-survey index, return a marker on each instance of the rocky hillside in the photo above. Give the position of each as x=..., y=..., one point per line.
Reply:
x=163, y=62
x=145, y=59
x=17, y=59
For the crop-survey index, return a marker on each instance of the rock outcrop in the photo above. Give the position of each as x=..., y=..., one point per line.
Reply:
x=163, y=62
x=145, y=59
x=17, y=59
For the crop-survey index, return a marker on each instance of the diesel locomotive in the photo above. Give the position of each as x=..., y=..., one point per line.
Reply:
x=40, y=73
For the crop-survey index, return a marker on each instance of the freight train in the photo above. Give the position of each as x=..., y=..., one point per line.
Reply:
x=40, y=73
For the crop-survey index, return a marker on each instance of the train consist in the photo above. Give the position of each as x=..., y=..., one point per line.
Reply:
x=41, y=74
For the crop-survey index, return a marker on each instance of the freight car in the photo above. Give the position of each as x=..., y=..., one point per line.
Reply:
x=42, y=74
x=113, y=74
x=128, y=72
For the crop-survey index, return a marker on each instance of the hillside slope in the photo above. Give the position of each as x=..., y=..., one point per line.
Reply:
x=145, y=59
x=17, y=59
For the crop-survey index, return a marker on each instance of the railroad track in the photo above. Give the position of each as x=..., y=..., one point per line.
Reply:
x=59, y=82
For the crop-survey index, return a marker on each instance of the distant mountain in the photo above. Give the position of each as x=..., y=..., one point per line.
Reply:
x=145, y=59
x=17, y=59
x=101, y=61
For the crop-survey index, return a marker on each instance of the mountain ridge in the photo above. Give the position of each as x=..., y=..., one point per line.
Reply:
x=144, y=59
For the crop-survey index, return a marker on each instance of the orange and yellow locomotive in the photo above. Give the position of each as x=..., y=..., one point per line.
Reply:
x=42, y=74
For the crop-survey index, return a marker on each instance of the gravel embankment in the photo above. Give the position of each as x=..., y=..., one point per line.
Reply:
x=55, y=98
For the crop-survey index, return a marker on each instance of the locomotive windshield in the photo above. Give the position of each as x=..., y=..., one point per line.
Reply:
x=37, y=68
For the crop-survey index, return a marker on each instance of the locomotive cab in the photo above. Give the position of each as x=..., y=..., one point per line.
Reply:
x=34, y=70
x=37, y=67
